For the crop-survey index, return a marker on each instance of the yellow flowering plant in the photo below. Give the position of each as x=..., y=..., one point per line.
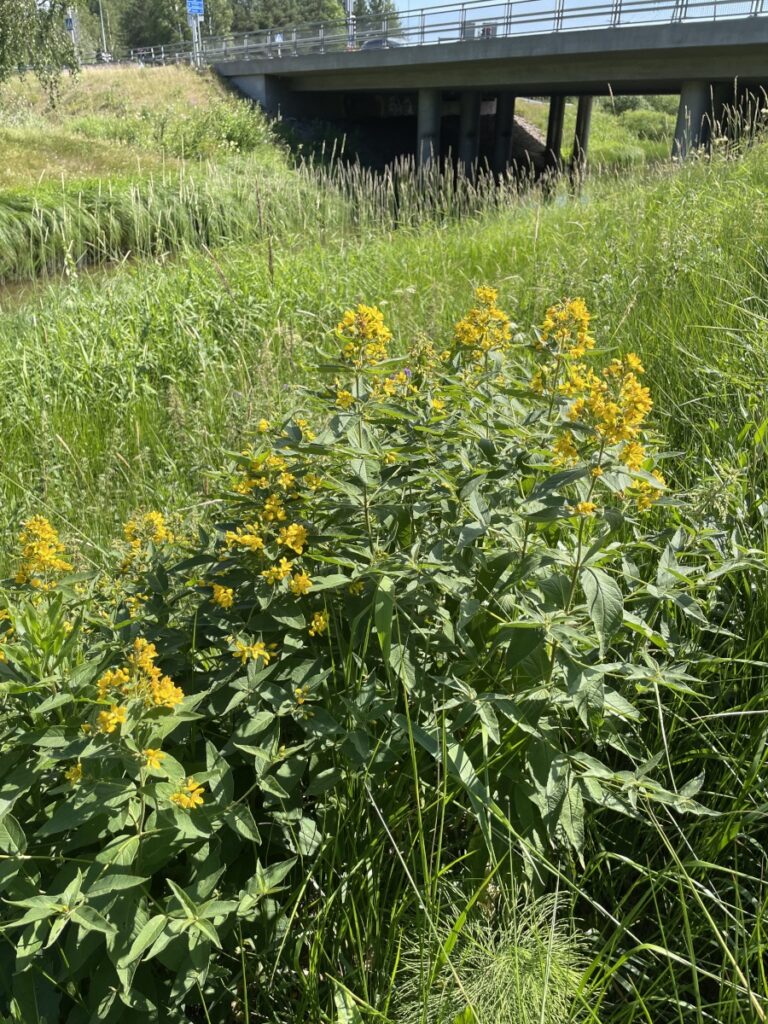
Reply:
x=469, y=582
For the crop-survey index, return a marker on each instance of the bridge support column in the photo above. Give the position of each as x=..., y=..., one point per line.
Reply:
x=693, y=117
x=581, y=135
x=469, y=131
x=555, y=131
x=428, y=129
x=505, y=122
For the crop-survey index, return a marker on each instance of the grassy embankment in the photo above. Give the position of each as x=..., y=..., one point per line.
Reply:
x=123, y=391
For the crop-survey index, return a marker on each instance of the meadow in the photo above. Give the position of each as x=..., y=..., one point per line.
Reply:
x=183, y=284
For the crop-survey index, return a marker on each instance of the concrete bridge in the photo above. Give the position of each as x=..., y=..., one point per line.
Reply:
x=474, y=57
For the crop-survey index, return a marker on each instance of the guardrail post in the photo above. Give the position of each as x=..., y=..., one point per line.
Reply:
x=295, y=41
x=322, y=39
x=463, y=23
x=616, y=13
x=423, y=27
x=508, y=21
x=559, y=12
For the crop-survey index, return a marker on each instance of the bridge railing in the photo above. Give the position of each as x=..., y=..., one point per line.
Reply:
x=474, y=20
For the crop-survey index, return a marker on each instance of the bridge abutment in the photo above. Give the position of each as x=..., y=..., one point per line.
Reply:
x=502, y=141
x=428, y=126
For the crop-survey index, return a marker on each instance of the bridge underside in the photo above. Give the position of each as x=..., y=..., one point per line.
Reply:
x=710, y=65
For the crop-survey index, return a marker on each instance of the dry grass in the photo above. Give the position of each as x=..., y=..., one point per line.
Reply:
x=112, y=90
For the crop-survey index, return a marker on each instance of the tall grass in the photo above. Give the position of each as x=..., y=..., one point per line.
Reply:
x=123, y=390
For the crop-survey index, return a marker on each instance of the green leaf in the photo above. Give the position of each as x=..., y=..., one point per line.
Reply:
x=148, y=934
x=12, y=838
x=604, y=604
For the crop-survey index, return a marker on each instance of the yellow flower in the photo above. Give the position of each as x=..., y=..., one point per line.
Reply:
x=293, y=537
x=313, y=481
x=147, y=528
x=344, y=399
x=566, y=329
x=108, y=721
x=41, y=553
x=438, y=404
x=112, y=679
x=307, y=432
x=319, y=624
x=585, y=508
x=153, y=757
x=485, y=328
x=189, y=796
x=263, y=426
x=597, y=471
x=300, y=584
x=247, y=537
x=634, y=363
x=274, y=512
x=252, y=652
x=286, y=480
x=356, y=587
x=632, y=455
x=390, y=458
x=223, y=596
x=566, y=453
x=366, y=334
x=74, y=774
x=276, y=462
x=278, y=572
x=301, y=693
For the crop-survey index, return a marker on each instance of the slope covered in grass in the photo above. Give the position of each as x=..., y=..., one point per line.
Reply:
x=124, y=389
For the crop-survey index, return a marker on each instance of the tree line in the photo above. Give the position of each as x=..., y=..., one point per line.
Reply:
x=135, y=23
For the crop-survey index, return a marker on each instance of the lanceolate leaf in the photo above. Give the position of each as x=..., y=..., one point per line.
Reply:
x=604, y=604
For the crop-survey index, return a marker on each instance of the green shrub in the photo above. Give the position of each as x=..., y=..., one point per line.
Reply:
x=649, y=124
x=451, y=601
x=234, y=125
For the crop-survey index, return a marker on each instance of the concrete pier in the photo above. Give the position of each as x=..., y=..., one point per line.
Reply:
x=469, y=131
x=555, y=131
x=581, y=135
x=428, y=126
x=502, y=142
x=693, y=118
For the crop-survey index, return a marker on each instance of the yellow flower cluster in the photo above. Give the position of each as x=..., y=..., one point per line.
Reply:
x=293, y=537
x=223, y=596
x=41, y=553
x=565, y=329
x=150, y=527
x=485, y=328
x=74, y=774
x=141, y=678
x=277, y=573
x=189, y=796
x=307, y=432
x=344, y=399
x=108, y=721
x=153, y=757
x=247, y=537
x=301, y=584
x=319, y=624
x=366, y=335
x=614, y=404
x=252, y=652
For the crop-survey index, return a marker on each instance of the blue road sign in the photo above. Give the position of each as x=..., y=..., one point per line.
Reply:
x=195, y=7
x=69, y=24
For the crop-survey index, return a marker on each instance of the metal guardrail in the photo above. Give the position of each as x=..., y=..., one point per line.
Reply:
x=449, y=23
